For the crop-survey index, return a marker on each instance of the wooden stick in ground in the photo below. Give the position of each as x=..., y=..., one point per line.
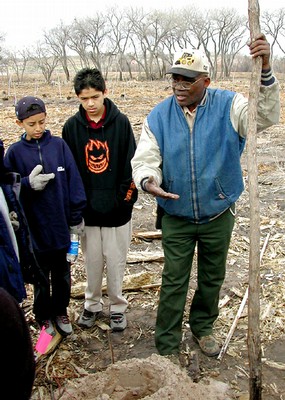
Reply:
x=240, y=310
x=254, y=343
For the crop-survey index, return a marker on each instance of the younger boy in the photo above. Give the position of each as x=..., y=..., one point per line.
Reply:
x=53, y=200
x=102, y=142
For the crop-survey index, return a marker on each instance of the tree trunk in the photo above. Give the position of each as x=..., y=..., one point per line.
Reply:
x=254, y=347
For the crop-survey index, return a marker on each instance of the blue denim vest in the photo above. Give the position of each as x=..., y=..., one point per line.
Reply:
x=202, y=166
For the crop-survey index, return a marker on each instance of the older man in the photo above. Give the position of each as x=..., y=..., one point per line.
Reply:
x=188, y=157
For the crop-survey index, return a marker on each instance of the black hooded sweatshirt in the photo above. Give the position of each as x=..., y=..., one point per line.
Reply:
x=103, y=157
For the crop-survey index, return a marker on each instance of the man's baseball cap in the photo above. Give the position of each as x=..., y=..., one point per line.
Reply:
x=28, y=106
x=189, y=63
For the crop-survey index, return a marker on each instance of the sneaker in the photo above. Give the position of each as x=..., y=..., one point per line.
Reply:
x=87, y=319
x=118, y=321
x=48, y=326
x=208, y=344
x=63, y=325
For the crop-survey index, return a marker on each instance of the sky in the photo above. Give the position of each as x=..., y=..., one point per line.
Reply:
x=23, y=21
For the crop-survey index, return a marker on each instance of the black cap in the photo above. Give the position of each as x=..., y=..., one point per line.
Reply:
x=28, y=106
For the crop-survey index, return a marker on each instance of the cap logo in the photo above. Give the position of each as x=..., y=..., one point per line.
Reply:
x=185, y=59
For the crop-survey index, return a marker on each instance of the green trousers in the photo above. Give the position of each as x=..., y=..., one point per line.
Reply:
x=179, y=240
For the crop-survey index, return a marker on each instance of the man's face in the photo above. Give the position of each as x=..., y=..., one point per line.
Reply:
x=189, y=91
x=92, y=101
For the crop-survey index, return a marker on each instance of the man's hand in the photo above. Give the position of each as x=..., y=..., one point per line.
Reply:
x=260, y=47
x=152, y=187
x=78, y=229
x=37, y=180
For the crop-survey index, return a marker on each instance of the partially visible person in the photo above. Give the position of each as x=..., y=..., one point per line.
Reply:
x=11, y=277
x=188, y=157
x=102, y=142
x=17, y=367
x=53, y=199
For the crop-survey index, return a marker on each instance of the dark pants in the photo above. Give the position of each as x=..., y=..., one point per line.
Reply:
x=179, y=239
x=51, y=298
x=16, y=351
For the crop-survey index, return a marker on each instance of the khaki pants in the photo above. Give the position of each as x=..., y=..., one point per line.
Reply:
x=105, y=247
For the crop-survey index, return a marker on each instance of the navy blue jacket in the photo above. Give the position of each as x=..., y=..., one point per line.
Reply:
x=11, y=277
x=49, y=212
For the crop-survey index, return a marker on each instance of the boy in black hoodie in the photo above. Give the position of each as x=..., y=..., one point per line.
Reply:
x=103, y=144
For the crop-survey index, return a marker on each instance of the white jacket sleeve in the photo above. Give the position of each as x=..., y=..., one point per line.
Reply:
x=147, y=159
x=268, y=109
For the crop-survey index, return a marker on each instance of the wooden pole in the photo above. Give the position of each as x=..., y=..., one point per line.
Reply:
x=254, y=347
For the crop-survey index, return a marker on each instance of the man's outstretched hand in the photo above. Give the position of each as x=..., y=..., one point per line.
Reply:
x=152, y=187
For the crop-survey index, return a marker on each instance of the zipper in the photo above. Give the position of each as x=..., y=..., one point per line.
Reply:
x=41, y=157
x=193, y=180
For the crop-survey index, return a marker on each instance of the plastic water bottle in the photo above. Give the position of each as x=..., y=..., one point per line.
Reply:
x=72, y=252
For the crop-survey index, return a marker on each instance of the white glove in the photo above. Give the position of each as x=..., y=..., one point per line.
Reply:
x=37, y=180
x=78, y=229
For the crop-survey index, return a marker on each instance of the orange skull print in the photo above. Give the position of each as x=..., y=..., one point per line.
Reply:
x=97, y=156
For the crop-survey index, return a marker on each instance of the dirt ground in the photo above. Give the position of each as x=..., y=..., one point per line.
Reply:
x=99, y=364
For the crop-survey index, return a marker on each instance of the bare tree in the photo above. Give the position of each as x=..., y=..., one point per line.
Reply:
x=96, y=31
x=4, y=63
x=148, y=32
x=273, y=26
x=17, y=61
x=121, y=28
x=78, y=43
x=45, y=61
x=193, y=28
x=2, y=38
x=57, y=39
x=228, y=37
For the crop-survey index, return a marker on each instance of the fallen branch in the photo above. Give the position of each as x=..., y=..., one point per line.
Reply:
x=240, y=310
x=144, y=256
x=141, y=281
x=274, y=364
x=149, y=235
x=142, y=287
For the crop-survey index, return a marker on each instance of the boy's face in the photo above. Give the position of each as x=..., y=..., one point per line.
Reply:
x=34, y=126
x=92, y=101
